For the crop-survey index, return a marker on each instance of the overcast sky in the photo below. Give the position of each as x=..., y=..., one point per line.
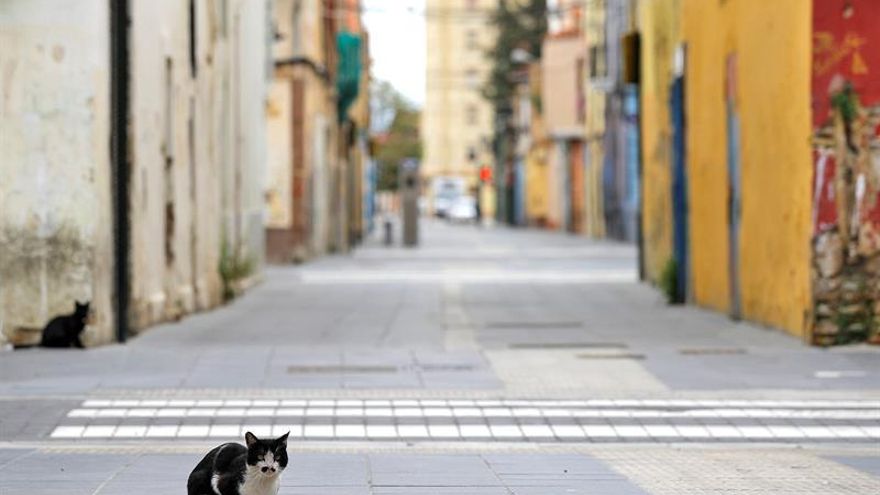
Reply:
x=397, y=44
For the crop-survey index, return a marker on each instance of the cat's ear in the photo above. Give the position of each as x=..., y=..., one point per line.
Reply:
x=250, y=439
x=282, y=440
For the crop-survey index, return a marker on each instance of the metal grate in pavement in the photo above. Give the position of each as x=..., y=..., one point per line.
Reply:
x=517, y=325
x=354, y=369
x=712, y=351
x=296, y=370
x=566, y=345
x=623, y=355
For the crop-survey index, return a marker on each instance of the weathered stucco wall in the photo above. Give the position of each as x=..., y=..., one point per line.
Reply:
x=55, y=214
x=279, y=115
x=250, y=71
x=756, y=55
x=198, y=133
x=659, y=23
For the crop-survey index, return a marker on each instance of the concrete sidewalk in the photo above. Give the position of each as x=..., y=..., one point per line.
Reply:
x=486, y=361
x=611, y=471
x=503, y=312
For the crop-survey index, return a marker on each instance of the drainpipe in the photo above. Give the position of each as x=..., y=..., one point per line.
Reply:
x=119, y=161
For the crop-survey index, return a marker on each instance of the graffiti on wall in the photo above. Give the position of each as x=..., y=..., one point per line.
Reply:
x=846, y=189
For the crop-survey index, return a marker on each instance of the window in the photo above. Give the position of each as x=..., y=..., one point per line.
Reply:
x=471, y=114
x=472, y=78
x=471, y=41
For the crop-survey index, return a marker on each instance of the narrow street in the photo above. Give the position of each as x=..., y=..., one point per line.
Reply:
x=486, y=361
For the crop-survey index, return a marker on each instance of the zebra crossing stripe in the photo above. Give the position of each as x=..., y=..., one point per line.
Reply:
x=497, y=432
x=497, y=412
x=498, y=420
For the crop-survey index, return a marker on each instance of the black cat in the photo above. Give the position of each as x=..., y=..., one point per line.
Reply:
x=65, y=331
x=233, y=469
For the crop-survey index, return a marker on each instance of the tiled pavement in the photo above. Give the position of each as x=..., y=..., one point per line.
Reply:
x=606, y=471
x=484, y=362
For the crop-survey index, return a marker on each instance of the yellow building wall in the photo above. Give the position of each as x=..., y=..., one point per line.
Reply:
x=537, y=185
x=594, y=211
x=659, y=24
x=772, y=45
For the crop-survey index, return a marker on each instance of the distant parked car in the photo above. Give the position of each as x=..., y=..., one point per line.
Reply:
x=442, y=205
x=445, y=191
x=463, y=209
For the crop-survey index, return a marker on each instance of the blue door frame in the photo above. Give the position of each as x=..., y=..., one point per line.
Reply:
x=734, y=187
x=632, y=149
x=520, y=191
x=680, y=232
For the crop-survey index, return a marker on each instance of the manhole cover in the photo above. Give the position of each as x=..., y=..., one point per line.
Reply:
x=533, y=324
x=709, y=351
x=340, y=369
x=565, y=345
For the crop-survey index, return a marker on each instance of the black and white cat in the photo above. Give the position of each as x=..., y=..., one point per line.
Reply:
x=233, y=469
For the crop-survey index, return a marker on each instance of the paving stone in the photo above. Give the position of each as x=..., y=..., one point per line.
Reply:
x=865, y=464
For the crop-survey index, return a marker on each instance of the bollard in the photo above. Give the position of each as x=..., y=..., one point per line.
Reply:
x=409, y=198
x=389, y=232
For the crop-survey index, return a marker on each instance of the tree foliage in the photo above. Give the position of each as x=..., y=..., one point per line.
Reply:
x=519, y=24
x=396, y=133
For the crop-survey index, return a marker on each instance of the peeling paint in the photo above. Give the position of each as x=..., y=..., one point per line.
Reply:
x=846, y=202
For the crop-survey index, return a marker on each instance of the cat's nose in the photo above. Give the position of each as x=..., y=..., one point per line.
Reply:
x=266, y=469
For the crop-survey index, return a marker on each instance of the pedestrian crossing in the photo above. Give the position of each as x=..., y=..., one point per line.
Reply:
x=648, y=420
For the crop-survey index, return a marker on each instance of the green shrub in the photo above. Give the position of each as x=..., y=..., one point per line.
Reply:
x=233, y=267
x=669, y=282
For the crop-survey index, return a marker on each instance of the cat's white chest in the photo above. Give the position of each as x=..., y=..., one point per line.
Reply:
x=260, y=485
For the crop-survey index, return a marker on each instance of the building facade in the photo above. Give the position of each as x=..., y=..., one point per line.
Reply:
x=562, y=65
x=134, y=171
x=318, y=156
x=457, y=120
x=748, y=189
x=761, y=193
